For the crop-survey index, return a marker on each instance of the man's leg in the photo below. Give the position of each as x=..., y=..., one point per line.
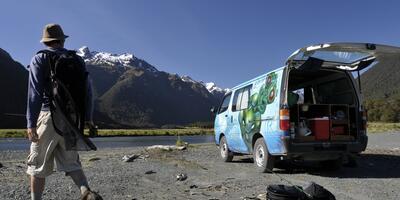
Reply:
x=80, y=180
x=37, y=187
x=41, y=159
x=68, y=161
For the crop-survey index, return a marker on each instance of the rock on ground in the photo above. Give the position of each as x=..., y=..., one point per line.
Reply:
x=377, y=176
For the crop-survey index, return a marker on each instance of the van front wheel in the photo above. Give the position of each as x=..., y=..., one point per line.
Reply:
x=226, y=155
x=263, y=161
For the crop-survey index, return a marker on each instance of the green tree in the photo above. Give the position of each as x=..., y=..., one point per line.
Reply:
x=389, y=114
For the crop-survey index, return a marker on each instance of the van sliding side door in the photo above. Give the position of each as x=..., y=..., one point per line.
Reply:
x=239, y=107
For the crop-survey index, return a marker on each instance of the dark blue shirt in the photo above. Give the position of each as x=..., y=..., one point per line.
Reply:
x=39, y=83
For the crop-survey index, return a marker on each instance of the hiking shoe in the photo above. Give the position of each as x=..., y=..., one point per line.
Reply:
x=90, y=195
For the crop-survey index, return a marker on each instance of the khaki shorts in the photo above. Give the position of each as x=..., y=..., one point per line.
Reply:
x=50, y=148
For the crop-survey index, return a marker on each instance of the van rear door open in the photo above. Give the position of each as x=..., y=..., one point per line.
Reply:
x=344, y=56
x=335, y=113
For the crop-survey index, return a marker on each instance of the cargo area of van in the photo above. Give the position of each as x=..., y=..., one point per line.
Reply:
x=323, y=106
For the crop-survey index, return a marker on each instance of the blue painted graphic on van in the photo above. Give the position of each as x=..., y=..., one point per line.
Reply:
x=260, y=114
x=250, y=118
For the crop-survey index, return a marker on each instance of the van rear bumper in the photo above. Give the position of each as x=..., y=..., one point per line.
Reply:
x=324, y=150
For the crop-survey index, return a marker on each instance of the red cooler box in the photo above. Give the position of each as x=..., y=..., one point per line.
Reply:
x=320, y=128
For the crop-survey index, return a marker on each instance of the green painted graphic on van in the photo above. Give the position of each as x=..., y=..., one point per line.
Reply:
x=250, y=118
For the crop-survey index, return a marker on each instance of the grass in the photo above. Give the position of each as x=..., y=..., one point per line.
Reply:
x=154, y=132
x=8, y=133
x=373, y=127
x=381, y=127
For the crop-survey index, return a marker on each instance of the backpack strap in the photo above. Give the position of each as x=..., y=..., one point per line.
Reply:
x=51, y=54
x=51, y=60
x=45, y=51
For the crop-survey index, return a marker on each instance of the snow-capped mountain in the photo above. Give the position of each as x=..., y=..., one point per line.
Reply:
x=128, y=60
x=119, y=60
x=210, y=86
x=213, y=88
x=189, y=79
x=128, y=92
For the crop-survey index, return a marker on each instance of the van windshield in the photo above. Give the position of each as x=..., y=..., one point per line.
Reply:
x=225, y=103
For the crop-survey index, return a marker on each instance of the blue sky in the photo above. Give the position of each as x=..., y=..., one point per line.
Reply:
x=226, y=42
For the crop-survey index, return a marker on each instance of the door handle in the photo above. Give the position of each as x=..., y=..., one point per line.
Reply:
x=231, y=119
x=226, y=115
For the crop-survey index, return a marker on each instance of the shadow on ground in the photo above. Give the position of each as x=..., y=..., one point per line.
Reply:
x=243, y=160
x=368, y=166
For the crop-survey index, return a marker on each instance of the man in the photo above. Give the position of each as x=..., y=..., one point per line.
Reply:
x=47, y=145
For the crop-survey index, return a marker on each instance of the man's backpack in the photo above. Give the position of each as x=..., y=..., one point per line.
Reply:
x=67, y=93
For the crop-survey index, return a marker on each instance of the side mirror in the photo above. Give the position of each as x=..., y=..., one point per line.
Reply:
x=213, y=110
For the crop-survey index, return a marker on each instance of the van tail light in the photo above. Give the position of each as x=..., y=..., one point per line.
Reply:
x=364, y=119
x=284, y=123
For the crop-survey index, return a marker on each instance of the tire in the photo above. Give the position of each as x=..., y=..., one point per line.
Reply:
x=225, y=153
x=263, y=161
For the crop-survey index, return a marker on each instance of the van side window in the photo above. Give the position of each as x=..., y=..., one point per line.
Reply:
x=225, y=103
x=236, y=100
x=244, y=103
x=241, y=99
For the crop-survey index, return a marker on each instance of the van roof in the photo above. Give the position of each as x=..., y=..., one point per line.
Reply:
x=256, y=78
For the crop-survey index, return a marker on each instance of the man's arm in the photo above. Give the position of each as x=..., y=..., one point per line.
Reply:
x=35, y=95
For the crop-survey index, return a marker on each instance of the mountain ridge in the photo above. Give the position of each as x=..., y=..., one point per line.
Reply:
x=127, y=60
x=132, y=93
x=128, y=93
x=381, y=82
x=14, y=82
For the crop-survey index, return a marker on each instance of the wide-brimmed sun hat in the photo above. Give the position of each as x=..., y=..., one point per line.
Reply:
x=53, y=32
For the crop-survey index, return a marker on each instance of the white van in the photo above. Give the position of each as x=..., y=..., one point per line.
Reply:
x=310, y=109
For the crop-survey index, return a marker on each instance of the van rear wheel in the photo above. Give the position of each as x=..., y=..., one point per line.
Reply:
x=226, y=155
x=263, y=161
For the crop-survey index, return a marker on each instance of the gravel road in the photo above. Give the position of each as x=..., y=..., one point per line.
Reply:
x=376, y=177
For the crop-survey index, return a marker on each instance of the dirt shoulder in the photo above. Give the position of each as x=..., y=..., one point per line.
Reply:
x=376, y=177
